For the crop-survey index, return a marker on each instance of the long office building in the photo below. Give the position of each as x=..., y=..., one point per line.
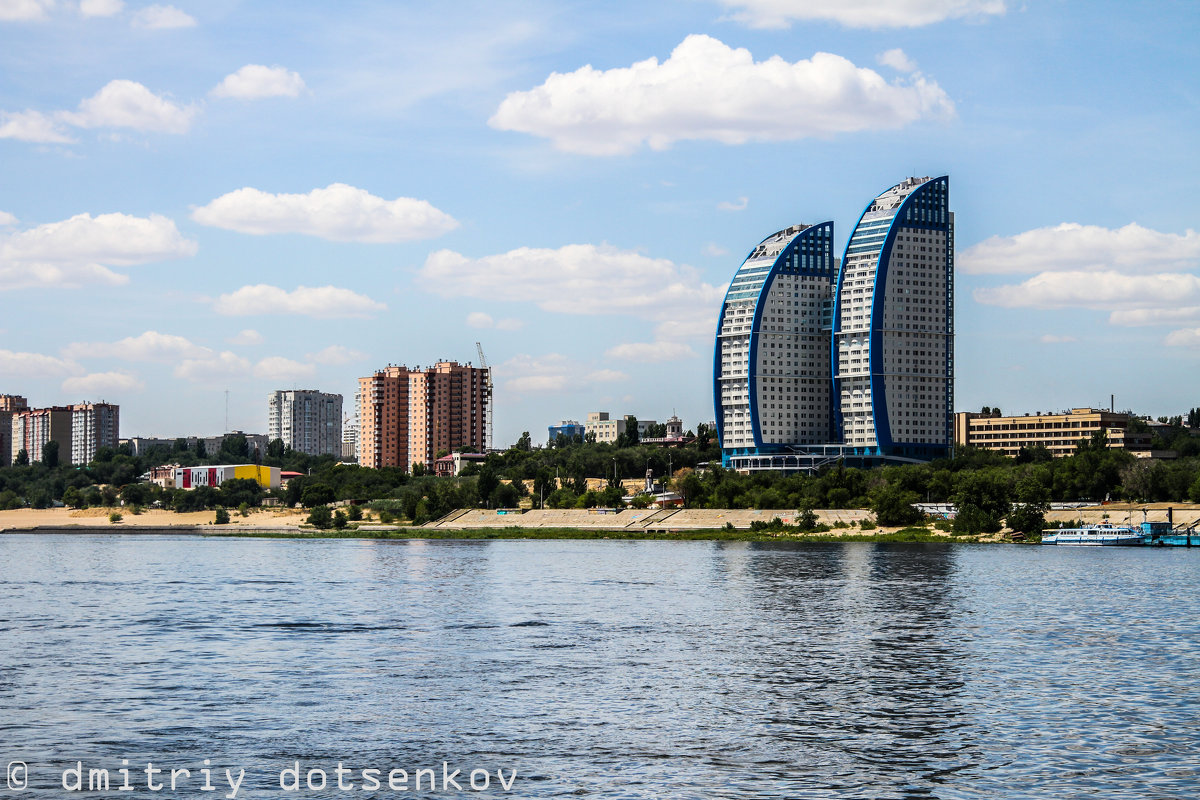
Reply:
x=306, y=420
x=409, y=416
x=817, y=360
x=771, y=362
x=1060, y=433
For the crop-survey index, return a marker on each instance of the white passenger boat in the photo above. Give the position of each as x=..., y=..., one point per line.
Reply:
x=1102, y=534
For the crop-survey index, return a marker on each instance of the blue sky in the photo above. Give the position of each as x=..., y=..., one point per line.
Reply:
x=232, y=196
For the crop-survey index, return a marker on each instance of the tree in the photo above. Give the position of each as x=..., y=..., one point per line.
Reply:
x=235, y=447
x=72, y=497
x=982, y=500
x=316, y=494
x=50, y=454
x=320, y=517
x=22, y=459
x=201, y=450
x=1028, y=514
x=354, y=513
x=525, y=443
x=275, y=449
x=486, y=483
x=339, y=519
x=222, y=517
x=893, y=506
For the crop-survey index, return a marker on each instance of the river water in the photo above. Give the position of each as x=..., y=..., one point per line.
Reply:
x=605, y=669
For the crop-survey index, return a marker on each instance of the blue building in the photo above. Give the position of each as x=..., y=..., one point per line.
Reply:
x=567, y=428
x=816, y=360
x=772, y=387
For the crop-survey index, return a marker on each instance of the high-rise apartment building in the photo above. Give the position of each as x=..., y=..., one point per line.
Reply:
x=771, y=361
x=32, y=428
x=408, y=416
x=93, y=425
x=9, y=403
x=893, y=334
x=816, y=361
x=306, y=420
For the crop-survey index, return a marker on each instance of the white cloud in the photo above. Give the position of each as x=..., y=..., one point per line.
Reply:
x=1136, y=317
x=81, y=249
x=897, y=59
x=32, y=126
x=149, y=346
x=714, y=249
x=255, y=81
x=128, y=104
x=606, y=376
x=1098, y=290
x=224, y=365
x=694, y=326
x=322, y=302
x=336, y=354
x=277, y=368
x=1188, y=337
x=7, y=220
x=859, y=13
x=478, y=319
x=1072, y=247
x=162, y=17
x=98, y=384
x=20, y=10
x=576, y=279
x=100, y=8
x=536, y=384
x=740, y=205
x=338, y=212
x=247, y=336
x=707, y=90
x=1051, y=338
x=650, y=352
x=35, y=365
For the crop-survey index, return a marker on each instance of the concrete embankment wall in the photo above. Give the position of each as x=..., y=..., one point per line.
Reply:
x=631, y=519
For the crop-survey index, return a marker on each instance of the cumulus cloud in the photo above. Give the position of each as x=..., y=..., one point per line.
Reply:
x=247, y=336
x=162, y=17
x=336, y=354
x=35, y=365
x=82, y=249
x=149, y=346
x=32, y=126
x=859, y=13
x=1071, y=247
x=897, y=59
x=97, y=384
x=1137, y=317
x=128, y=104
x=714, y=249
x=1106, y=290
x=708, y=90
x=740, y=205
x=100, y=8
x=23, y=10
x=551, y=373
x=277, y=368
x=255, y=81
x=338, y=212
x=606, y=376
x=650, y=352
x=321, y=302
x=1188, y=337
x=575, y=279
x=478, y=319
x=224, y=365
x=536, y=384
x=7, y=220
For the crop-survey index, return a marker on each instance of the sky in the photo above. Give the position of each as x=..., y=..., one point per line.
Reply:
x=235, y=197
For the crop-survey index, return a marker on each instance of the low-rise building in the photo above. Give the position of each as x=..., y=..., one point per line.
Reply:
x=192, y=477
x=1059, y=433
x=607, y=429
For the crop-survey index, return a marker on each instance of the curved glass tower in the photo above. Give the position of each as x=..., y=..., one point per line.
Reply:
x=772, y=388
x=893, y=326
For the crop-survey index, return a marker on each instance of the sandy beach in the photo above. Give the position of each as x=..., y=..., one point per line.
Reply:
x=26, y=518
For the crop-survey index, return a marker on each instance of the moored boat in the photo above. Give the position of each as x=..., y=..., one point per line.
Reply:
x=1103, y=534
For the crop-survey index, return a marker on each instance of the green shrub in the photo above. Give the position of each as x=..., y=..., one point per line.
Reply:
x=867, y=524
x=222, y=517
x=115, y=517
x=320, y=517
x=339, y=519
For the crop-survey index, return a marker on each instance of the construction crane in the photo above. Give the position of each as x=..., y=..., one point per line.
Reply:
x=487, y=396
